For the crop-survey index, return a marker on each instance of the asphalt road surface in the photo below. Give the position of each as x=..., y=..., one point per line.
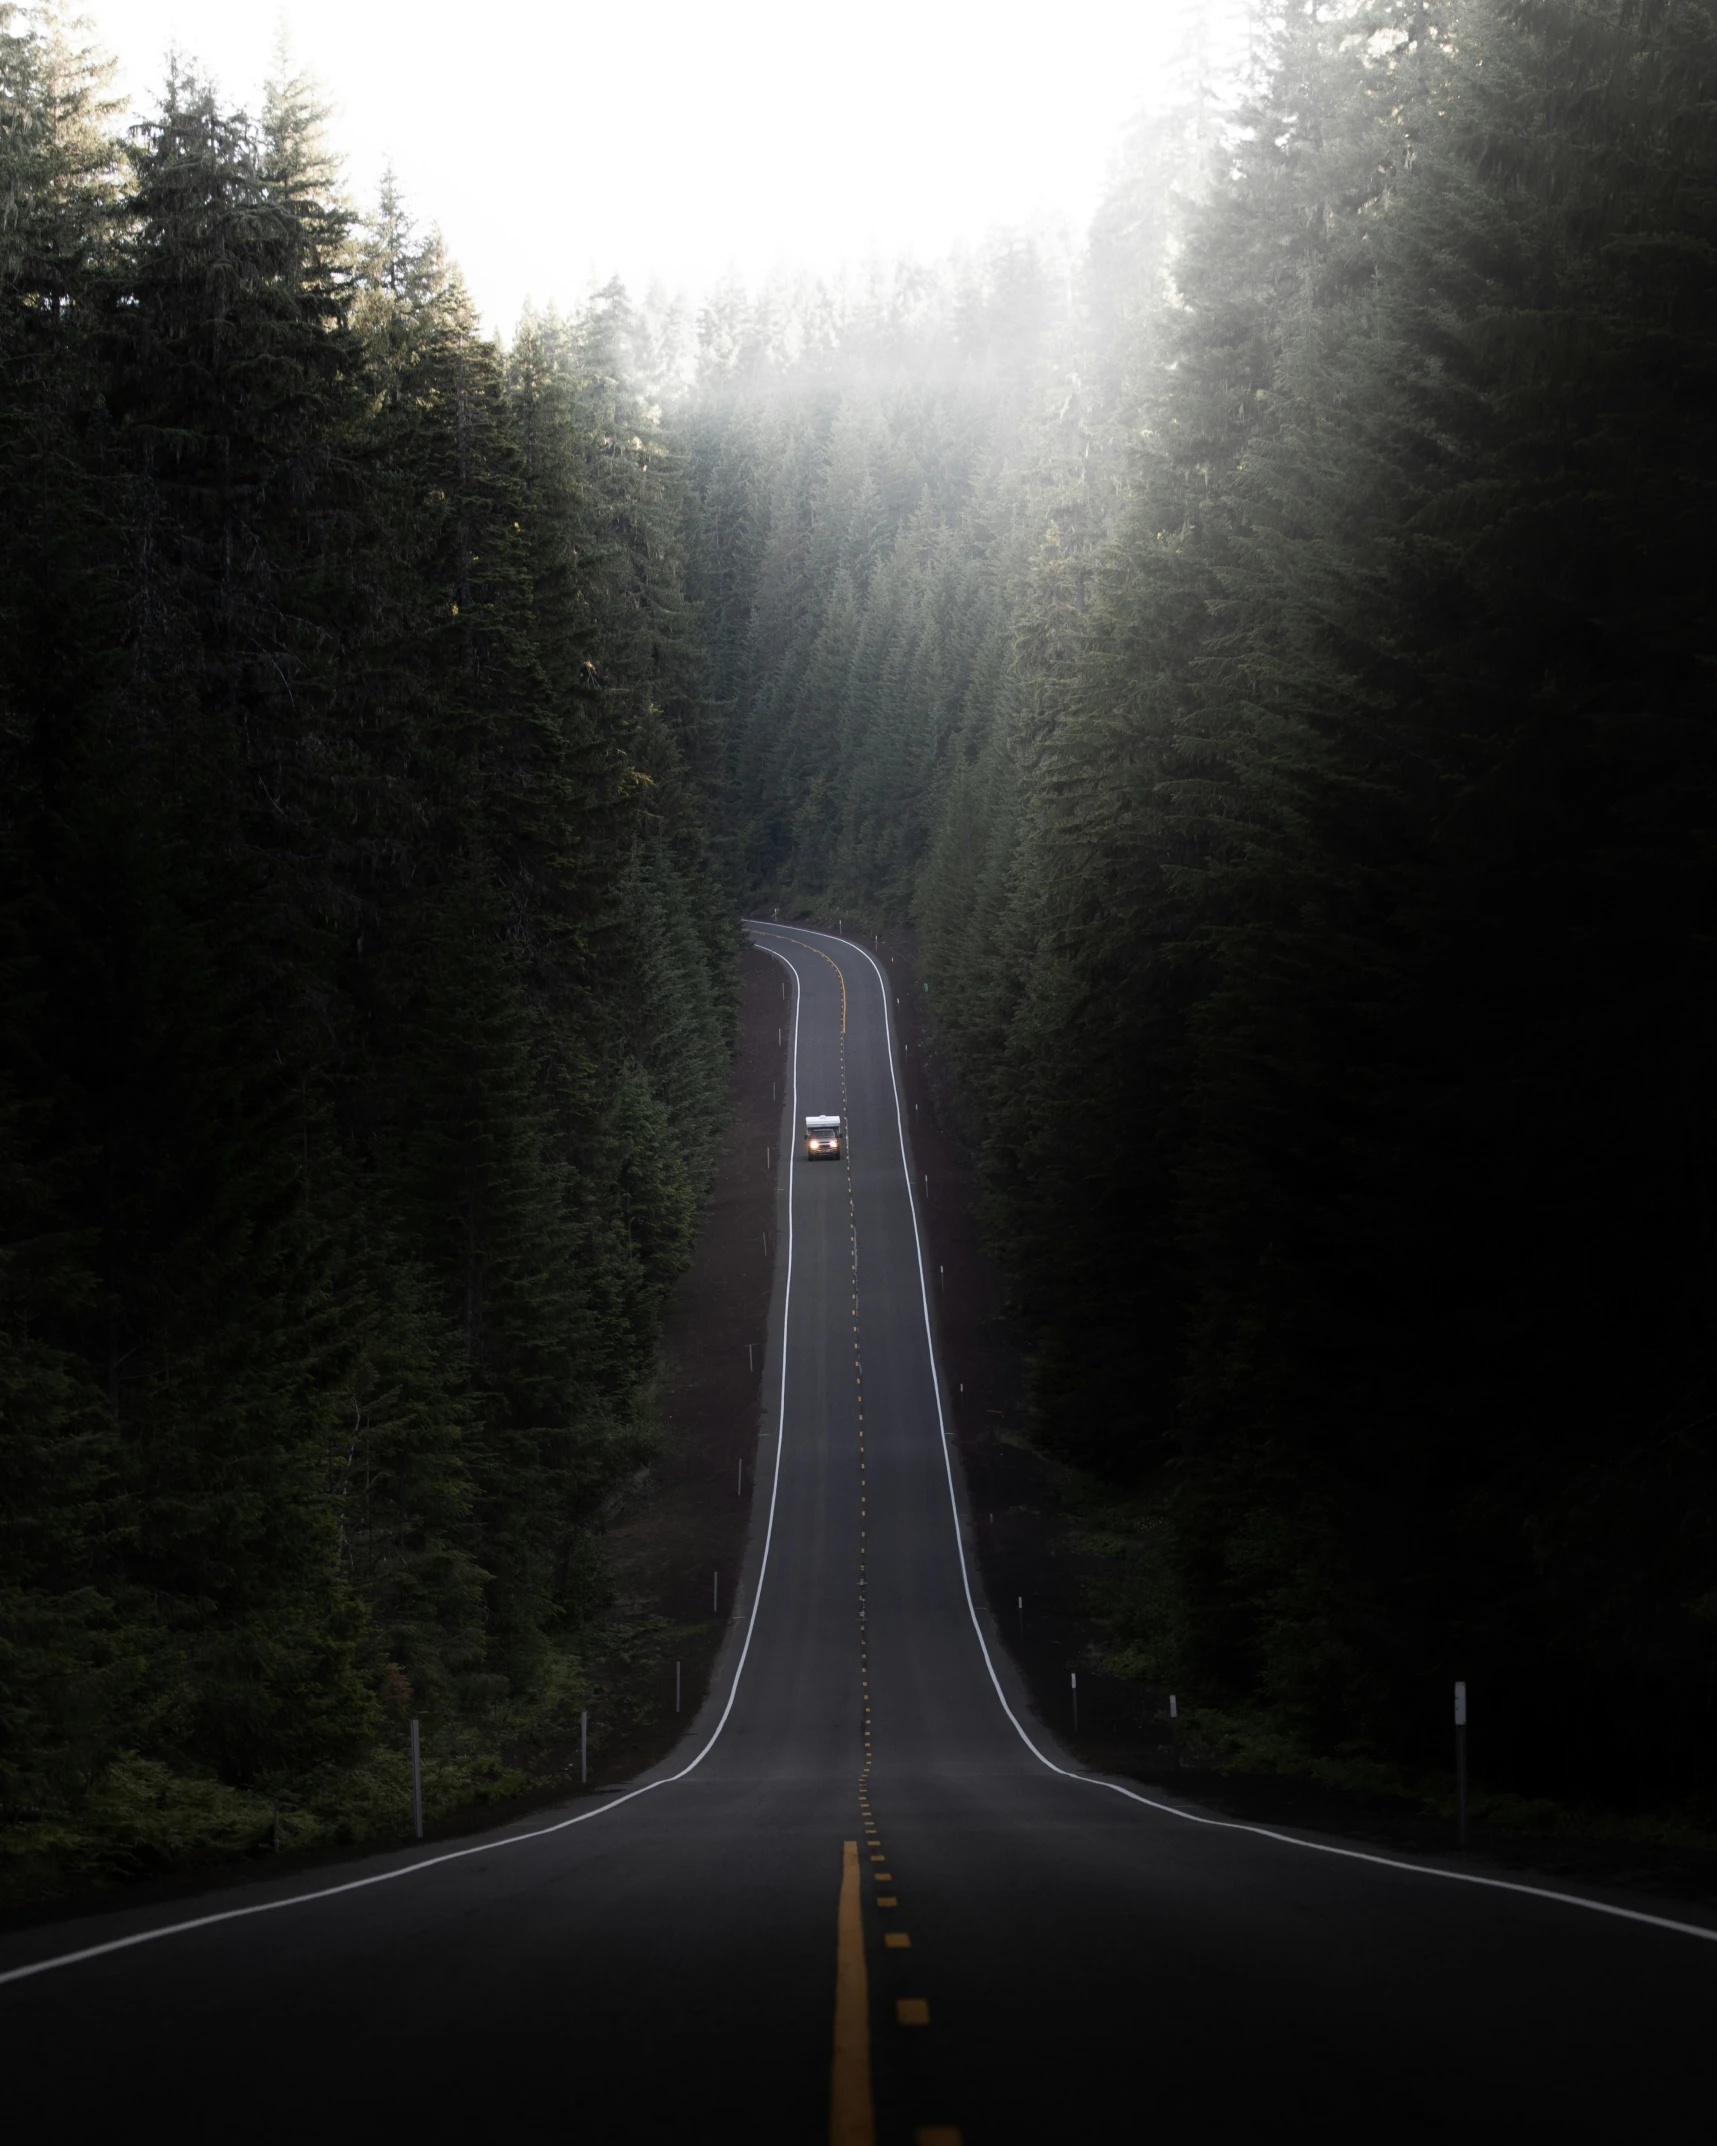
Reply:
x=864, y=1898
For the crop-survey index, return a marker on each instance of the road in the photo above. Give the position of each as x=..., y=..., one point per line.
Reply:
x=866, y=1829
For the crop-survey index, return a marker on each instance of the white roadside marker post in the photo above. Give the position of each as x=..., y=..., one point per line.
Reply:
x=1074, y=1674
x=416, y=1781
x=1174, y=1727
x=1022, y=1620
x=676, y=1687
x=715, y=1592
x=1460, y=1763
x=583, y=1748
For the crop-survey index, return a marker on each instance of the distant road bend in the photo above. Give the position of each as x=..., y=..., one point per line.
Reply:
x=868, y=1898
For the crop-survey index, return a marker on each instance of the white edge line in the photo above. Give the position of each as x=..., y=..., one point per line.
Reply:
x=1193, y=1818
x=601, y=1810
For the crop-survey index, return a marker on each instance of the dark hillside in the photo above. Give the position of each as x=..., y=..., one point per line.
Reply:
x=1265, y=656
x=1281, y=694
x=368, y=984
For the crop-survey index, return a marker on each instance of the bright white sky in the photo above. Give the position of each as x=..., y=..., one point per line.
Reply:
x=678, y=140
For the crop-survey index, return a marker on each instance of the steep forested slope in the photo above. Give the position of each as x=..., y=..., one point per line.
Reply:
x=1281, y=691
x=366, y=972
x=1269, y=656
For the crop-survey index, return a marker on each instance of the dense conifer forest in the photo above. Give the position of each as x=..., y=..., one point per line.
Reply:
x=367, y=978
x=1269, y=654
x=1263, y=649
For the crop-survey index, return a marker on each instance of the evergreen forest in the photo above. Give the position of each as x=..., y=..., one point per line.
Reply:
x=368, y=980
x=1259, y=647
x=1265, y=651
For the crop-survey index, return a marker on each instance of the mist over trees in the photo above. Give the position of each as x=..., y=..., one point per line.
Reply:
x=367, y=971
x=1265, y=650
x=1270, y=658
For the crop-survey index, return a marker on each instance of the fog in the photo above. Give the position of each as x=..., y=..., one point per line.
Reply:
x=558, y=146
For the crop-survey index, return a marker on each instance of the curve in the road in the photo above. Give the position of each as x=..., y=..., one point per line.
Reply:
x=423, y=1864
x=1088, y=1780
x=601, y=1810
x=1035, y=1955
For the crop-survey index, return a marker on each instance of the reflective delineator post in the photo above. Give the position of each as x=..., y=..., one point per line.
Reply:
x=416, y=1780
x=583, y=1748
x=1074, y=1674
x=1460, y=1763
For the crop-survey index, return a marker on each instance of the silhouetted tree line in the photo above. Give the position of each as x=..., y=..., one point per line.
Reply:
x=366, y=964
x=1272, y=659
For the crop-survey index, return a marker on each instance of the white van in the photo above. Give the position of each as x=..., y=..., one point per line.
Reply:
x=823, y=1137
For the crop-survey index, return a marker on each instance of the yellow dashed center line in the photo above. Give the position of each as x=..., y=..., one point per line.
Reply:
x=851, y=2114
x=852, y=2119
x=833, y=964
x=851, y=2110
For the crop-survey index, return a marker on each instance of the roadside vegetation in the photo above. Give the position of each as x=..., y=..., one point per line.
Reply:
x=1264, y=650
x=368, y=984
x=1267, y=653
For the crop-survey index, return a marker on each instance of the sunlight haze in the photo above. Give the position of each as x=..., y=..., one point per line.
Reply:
x=555, y=145
x=858, y=945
